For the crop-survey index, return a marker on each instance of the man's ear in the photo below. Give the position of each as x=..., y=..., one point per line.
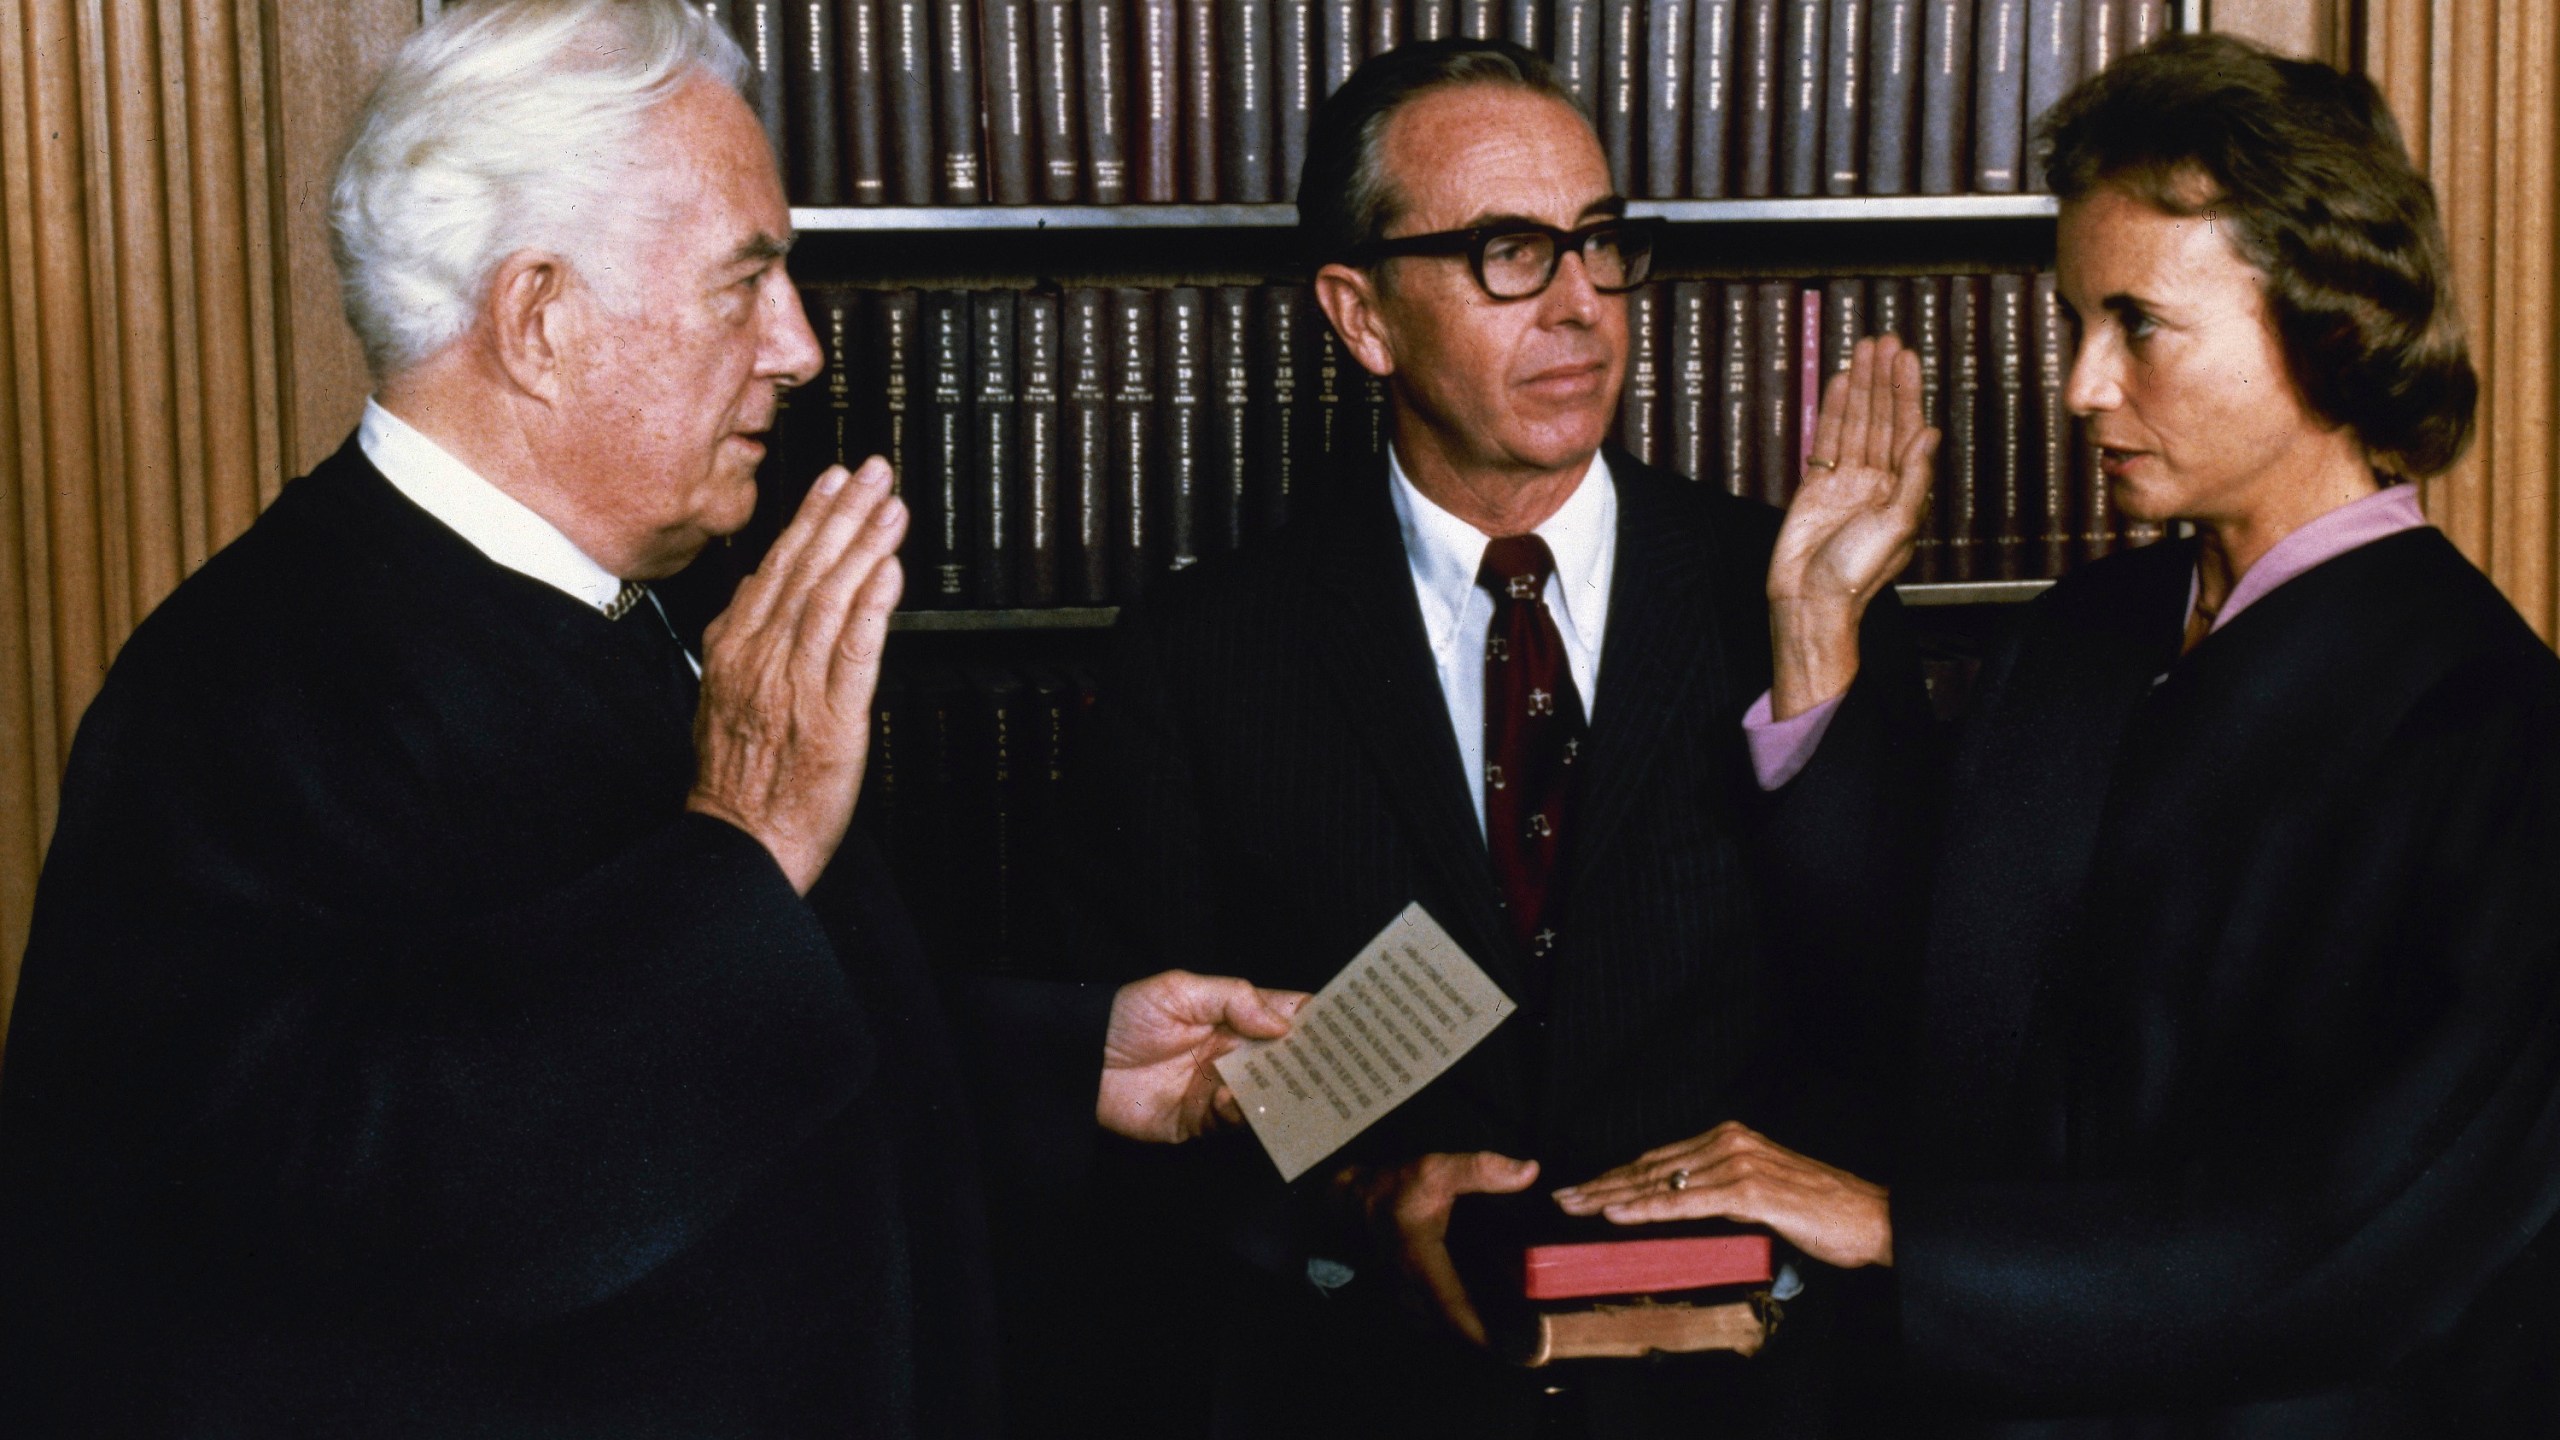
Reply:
x=1350, y=300
x=526, y=313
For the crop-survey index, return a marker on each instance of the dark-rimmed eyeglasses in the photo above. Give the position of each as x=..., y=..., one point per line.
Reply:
x=1516, y=259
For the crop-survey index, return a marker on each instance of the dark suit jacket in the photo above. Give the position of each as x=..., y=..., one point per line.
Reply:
x=395, y=1056
x=1286, y=781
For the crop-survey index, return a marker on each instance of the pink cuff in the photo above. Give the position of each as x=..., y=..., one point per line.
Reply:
x=1780, y=748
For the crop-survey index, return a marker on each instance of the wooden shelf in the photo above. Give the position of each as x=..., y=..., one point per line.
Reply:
x=1100, y=617
x=930, y=219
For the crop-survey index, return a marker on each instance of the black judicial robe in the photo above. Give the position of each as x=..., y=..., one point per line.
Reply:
x=2242, y=1071
x=395, y=1057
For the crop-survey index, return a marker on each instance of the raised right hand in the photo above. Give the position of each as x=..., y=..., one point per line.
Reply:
x=788, y=672
x=1407, y=1209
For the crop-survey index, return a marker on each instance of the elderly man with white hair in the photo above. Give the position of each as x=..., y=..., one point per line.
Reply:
x=453, y=1008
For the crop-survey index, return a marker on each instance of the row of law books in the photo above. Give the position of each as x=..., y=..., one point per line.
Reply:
x=1065, y=447
x=1105, y=102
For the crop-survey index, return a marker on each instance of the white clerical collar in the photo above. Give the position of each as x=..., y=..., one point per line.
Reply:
x=1445, y=551
x=496, y=523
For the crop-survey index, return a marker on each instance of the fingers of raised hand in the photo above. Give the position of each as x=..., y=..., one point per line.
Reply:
x=847, y=555
x=1858, y=412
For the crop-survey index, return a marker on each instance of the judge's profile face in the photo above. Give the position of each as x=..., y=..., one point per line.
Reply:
x=1523, y=386
x=674, y=382
x=2179, y=371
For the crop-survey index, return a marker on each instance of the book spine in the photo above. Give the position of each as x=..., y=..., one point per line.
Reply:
x=1773, y=388
x=720, y=13
x=1844, y=323
x=1480, y=19
x=906, y=58
x=811, y=90
x=1844, y=114
x=899, y=362
x=1524, y=23
x=1928, y=340
x=1809, y=372
x=1577, y=52
x=2144, y=22
x=760, y=27
x=2053, y=62
x=1103, y=34
x=866, y=139
x=2101, y=31
x=1801, y=98
x=1183, y=348
x=1622, y=90
x=2007, y=522
x=1893, y=87
x=1345, y=42
x=1154, y=105
x=1960, y=467
x=955, y=71
x=1762, y=51
x=1037, y=350
x=1280, y=454
x=1005, y=50
x=1433, y=19
x=1946, y=95
x=1889, y=308
x=1085, y=324
x=1297, y=67
x=1710, y=98
x=941, y=501
x=2058, y=530
x=2099, y=522
x=1330, y=411
x=835, y=314
x=1668, y=83
x=1640, y=405
x=1232, y=433
x=1369, y=442
x=1386, y=26
x=1737, y=468
x=1693, y=411
x=1055, y=89
x=1244, y=112
x=1202, y=123
x=1999, y=96
x=1134, y=449
x=996, y=461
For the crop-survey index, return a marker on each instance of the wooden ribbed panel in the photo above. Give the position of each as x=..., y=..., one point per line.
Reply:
x=141, y=370
x=2474, y=86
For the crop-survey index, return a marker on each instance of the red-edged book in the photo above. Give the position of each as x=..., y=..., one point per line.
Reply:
x=1551, y=1286
x=1585, y=1269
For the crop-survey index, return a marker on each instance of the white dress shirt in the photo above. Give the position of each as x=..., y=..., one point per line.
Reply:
x=1444, y=553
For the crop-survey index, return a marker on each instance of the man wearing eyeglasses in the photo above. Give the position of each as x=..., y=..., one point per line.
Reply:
x=1505, y=674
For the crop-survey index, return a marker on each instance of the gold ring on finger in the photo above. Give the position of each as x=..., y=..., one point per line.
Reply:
x=1677, y=1180
x=1818, y=463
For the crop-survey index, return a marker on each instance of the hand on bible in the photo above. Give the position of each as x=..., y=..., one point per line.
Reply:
x=788, y=670
x=1407, y=1212
x=1737, y=1174
x=1157, y=1080
x=1853, y=524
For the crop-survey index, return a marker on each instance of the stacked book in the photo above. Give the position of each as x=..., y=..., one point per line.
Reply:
x=1106, y=102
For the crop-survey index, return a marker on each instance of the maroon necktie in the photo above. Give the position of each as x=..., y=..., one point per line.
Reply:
x=1533, y=734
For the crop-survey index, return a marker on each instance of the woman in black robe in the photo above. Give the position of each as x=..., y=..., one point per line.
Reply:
x=2238, y=1093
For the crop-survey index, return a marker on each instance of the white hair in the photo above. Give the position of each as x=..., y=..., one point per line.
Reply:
x=503, y=126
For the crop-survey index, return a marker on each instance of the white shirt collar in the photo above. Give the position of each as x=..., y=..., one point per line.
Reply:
x=496, y=523
x=1445, y=551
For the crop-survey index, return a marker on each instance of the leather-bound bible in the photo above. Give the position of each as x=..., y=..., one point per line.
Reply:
x=1960, y=459
x=1688, y=386
x=1245, y=102
x=1552, y=1287
x=1233, y=435
x=1667, y=97
x=760, y=26
x=1297, y=75
x=1800, y=97
x=1999, y=96
x=1182, y=350
x=1346, y=41
x=1711, y=99
x=1085, y=438
x=1155, y=84
x=1524, y=23
x=810, y=88
x=1005, y=54
x=1102, y=33
x=906, y=70
x=864, y=117
x=2005, y=519
x=1773, y=388
x=1480, y=19
x=995, y=463
x=2057, y=516
x=1134, y=447
x=1057, y=100
x=941, y=533
x=1640, y=403
x=1622, y=62
x=1844, y=108
x=1283, y=460
x=1737, y=467
x=1433, y=20
x=1761, y=92
x=1946, y=96
x=2053, y=63
x=1576, y=53
x=1039, y=354
x=955, y=95
x=1203, y=125
x=1893, y=91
